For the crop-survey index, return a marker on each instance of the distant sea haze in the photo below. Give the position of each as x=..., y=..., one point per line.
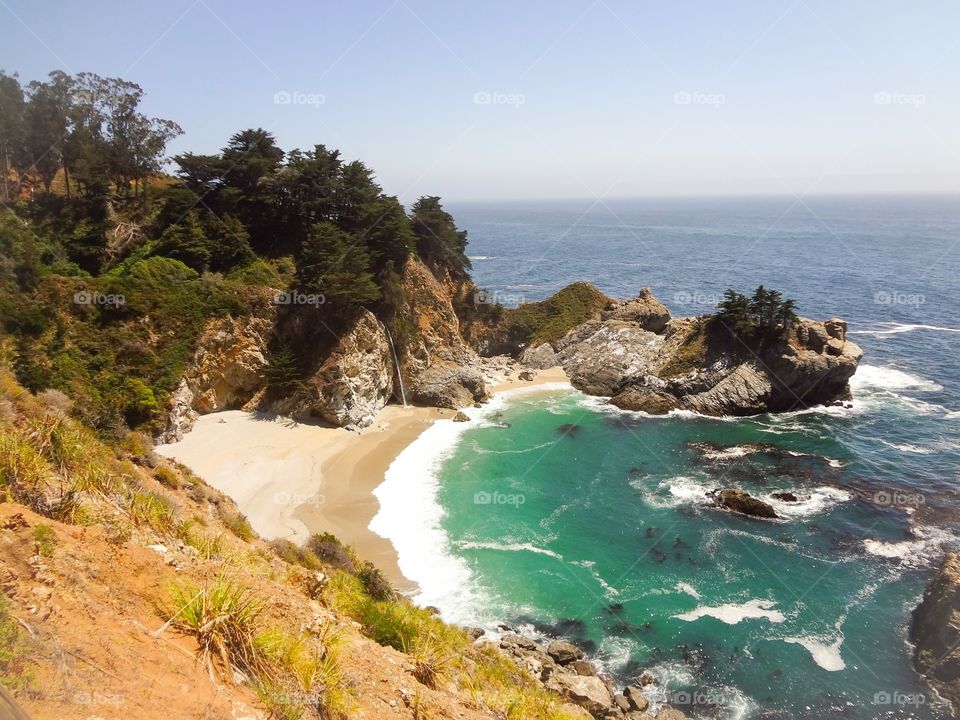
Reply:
x=614, y=544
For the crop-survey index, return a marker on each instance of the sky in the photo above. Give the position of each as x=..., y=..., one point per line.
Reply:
x=541, y=99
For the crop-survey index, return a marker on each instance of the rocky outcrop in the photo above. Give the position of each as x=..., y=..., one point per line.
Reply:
x=226, y=370
x=742, y=502
x=356, y=379
x=644, y=362
x=644, y=310
x=561, y=669
x=935, y=631
x=438, y=367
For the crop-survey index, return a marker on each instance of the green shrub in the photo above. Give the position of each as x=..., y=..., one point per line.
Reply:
x=45, y=539
x=167, y=476
x=330, y=550
x=236, y=523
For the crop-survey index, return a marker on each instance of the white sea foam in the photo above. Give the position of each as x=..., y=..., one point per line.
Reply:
x=732, y=614
x=825, y=652
x=508, y=547
x=482, y=257
x=908, y=448
x=924, y=548
x=894, y=328
x=873, y=377
x=673, y=492
x=809, y=503
x=688, y=589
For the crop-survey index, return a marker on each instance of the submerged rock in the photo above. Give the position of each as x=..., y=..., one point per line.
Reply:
x=743, y=502
x=786, y=496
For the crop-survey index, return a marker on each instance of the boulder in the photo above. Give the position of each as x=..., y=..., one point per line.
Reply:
x=516, y=640
x=461, y=417
x=785, y=495
x=743, y=502
x=590, y=693
x=563, y=652
x=449, y=386
x=636, y=698
x=540, y=356
x=527, y=375
x=935, y=631
x=644, y=310
x=583, y=667
x=836, y=328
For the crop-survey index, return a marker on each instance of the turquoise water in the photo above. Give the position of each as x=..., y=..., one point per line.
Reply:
x=590, y=523
x=613, y=544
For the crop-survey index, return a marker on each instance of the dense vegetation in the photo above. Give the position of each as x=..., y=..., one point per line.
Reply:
x=509, y=330
x=112, y=265
x=765, y=315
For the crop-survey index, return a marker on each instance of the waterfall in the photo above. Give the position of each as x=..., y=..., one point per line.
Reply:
x=396, y=362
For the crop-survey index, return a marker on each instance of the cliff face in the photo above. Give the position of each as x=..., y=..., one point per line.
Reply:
x=437, y=365
x=225, y=372
x=643, y=360
x=935, y=631
x=350, y=382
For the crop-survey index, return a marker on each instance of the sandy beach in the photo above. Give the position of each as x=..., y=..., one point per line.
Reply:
x=292, y=478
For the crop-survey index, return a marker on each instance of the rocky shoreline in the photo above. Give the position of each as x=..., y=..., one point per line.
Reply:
x=642, y=359
x=561, y=668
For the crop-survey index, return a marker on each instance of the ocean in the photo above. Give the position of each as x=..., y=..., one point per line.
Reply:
x=560, y=515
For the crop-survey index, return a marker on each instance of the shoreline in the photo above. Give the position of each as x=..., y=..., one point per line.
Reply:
x=292, y=478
